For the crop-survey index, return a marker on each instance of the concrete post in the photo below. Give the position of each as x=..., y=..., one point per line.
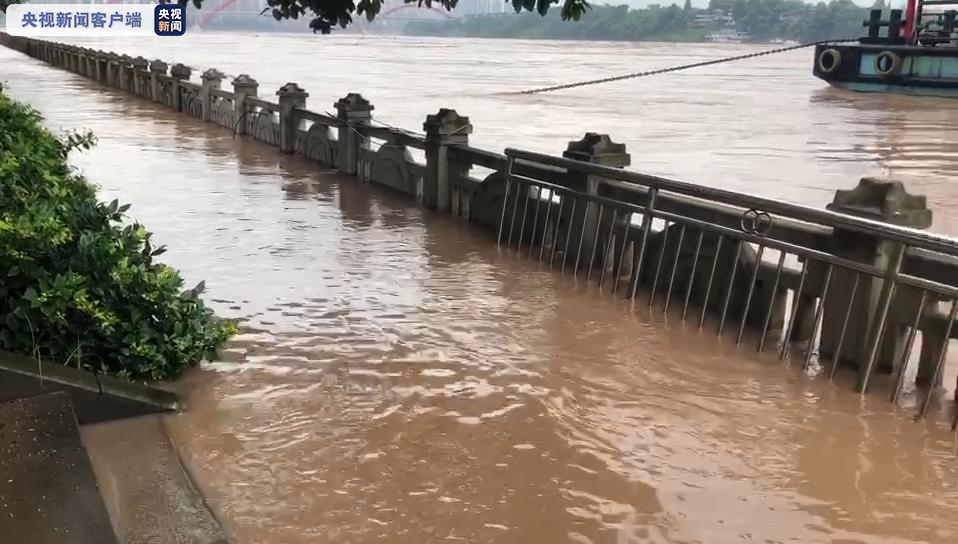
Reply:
x=212, y=79
x=880, y=200
x=157, y=69
x=243, y=86
x=355, y=112
x=290, y=96
x=178, y=72
x=443, y=129
x=597, y=149
x=140, y=67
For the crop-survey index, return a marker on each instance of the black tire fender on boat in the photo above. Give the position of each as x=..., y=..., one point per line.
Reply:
x=887, y=64
x=829, y=60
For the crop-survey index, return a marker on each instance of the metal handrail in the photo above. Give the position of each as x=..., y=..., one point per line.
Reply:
x=894, y=233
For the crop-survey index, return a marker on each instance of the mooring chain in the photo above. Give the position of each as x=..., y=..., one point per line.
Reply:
x=677, y=68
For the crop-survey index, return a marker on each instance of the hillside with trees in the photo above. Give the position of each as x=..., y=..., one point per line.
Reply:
x=761, y=20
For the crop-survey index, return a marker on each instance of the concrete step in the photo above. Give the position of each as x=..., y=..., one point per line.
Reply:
x=148, y=493
x=95, y=397
x=48, y=492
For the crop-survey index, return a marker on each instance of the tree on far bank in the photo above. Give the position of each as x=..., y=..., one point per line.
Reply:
x=327, y=14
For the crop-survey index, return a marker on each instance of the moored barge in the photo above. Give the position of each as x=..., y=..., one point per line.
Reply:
x=918, y=53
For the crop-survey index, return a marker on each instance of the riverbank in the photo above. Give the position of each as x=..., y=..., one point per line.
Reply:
x=760, y=21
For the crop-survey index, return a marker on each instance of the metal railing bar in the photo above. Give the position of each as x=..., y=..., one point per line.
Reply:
x=695, y=262
x=522, y=226
x=942, y=353
x=535, y=221
x=771, y=306
x=887, y=231
x=708, y=288
x=912, y=332
x=658, y=267
x=595, y=243
x=837, y=356
x=929, y=285
x=625, y=241
x=646, y=228
x=578, y=253
x=555, y=231
x=799, y=251
x=819, y=315
x=884, y=304
x=606, y=201
x=606, y=245
x=545, y=226
x=515, y=207
x=505, y=201
x=568, y=234
x=675, y=267
x=731, y=287
x=748, y=298
x=794, y=314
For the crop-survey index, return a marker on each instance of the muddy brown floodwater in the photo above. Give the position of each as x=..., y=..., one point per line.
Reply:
x=399, y=380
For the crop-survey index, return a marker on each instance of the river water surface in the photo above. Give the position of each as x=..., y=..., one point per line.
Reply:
x=399, y=380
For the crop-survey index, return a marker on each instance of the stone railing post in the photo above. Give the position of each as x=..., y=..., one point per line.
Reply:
x=443, y=129
x=89, y=63
x=243, y=86
x=211, y=79
x=354, y=112
x=290, y=96
x=101, y=66
x=881, y=200
x=596, y=149
x=179, y=72
x=72, y=58
x=112, y=69
x=140, y=67
x=157, y=68
x=126, y=72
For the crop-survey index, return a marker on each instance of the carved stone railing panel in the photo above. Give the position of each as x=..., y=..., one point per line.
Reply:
x=191, y=102
x=392, y=166
x=319, y=145
x=223, y=113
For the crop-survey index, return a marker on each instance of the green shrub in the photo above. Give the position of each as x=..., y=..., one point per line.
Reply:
x=78, y=281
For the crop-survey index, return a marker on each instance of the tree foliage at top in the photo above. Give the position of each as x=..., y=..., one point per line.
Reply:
x=327, y=14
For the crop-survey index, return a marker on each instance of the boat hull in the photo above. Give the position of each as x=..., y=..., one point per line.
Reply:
x=889, y=68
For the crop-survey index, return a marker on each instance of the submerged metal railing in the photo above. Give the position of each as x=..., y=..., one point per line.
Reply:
x=612, y=240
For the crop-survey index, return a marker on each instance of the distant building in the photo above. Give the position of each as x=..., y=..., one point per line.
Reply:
x=716, y=18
